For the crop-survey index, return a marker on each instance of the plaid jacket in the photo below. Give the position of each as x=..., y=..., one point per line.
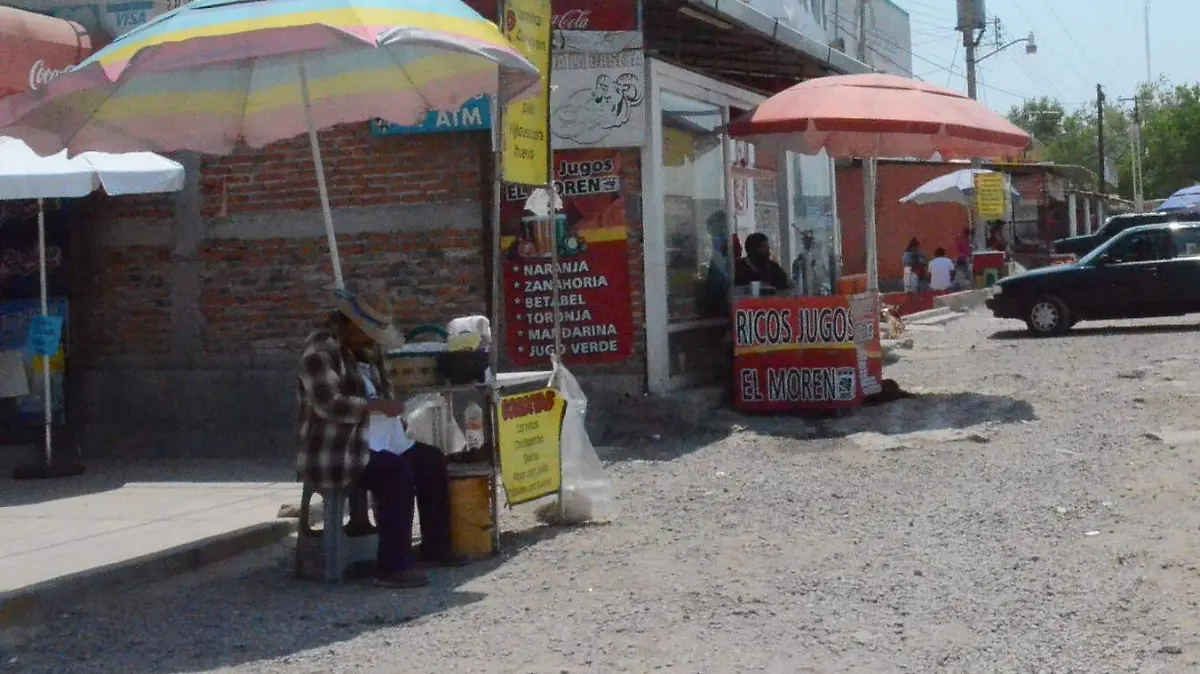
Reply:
x=332, y=397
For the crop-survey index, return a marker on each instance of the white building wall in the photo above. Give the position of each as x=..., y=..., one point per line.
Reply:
x=889, y=33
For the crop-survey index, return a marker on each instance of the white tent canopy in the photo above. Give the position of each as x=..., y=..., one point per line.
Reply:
x=26, y=175
x=952, y=188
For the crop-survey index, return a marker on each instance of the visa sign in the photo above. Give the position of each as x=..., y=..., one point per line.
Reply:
x=476, y=115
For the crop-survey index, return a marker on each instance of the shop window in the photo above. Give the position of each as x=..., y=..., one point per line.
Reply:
x=815, y=239
x=697, y=246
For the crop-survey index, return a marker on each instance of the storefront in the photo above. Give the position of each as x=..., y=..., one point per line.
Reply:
x=211, y=291
x=705, y=194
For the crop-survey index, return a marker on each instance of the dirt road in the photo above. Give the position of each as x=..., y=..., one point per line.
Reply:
x=1032, y=510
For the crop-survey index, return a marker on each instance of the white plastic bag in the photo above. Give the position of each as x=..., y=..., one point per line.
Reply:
x=431, y=421
x=587, y=490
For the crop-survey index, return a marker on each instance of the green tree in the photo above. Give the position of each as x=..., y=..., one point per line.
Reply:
x=1042, y=118
x=1170, y=117
x=1171, y=138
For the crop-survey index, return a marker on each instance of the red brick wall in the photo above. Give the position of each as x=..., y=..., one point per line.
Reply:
x=935, y=225
x=120, y=297
x=269, y=291
x=273, y=290
x=360, y=170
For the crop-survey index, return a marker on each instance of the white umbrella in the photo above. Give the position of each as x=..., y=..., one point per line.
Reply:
x=953, y=188
x=25, y=175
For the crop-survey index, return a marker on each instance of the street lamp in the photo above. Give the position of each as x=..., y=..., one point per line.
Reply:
x=972, y=61
x=971, y=41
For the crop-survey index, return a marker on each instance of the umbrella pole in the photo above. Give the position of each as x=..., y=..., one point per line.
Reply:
x=870, y=165
x=47, y=402
x=326, y=213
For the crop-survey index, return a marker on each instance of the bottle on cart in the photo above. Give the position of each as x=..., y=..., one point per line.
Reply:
x=473, y=425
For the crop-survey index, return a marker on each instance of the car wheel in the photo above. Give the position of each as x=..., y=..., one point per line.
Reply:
x=1049, y=316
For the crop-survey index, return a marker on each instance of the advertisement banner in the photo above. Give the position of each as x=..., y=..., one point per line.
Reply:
x=108, y=19
x=530, y=444
x=805, y=353
x=602, y=15
x=592, y=235
x=990, y=197
x=16, y=319
x=525, y=137
x=19, y=276
x=599, y=93
x=475, y=115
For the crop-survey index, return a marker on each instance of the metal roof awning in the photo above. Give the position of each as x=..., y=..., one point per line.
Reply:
x=730, y=40
x=742, y=13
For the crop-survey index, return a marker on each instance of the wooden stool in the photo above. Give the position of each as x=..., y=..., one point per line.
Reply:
x=337, y=550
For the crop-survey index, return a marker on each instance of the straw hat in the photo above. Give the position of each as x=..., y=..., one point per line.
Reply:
x=373, y=313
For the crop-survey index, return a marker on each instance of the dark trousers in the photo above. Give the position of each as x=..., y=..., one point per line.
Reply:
x=394, y=481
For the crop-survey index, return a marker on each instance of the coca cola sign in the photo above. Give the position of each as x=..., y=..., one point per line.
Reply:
x=593, y=15
x=572, y=19
x=40, y=74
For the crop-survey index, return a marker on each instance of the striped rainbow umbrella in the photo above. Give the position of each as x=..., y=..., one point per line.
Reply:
x=214, y=73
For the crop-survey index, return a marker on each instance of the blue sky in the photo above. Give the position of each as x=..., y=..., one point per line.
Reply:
x=1080, y=43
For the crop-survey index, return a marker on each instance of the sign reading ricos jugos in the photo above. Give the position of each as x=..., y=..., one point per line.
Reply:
x=591, y=235
x=805, y=353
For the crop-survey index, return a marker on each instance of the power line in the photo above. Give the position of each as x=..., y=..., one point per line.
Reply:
x=941, y=67
x=953, y=60
x=1063, y=26
x=1032, y=26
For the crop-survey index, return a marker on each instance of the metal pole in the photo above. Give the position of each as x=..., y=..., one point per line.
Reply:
x=870, y=169
x=496, y=317
x=1146, y=29
x=1101, y=181
x=836, y=260
x=970, y=42
x=322, y=190
x=47, y=401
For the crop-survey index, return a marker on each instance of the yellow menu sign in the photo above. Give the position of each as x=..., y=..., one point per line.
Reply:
x=531, y=444
x=990, y=197
x=525, y=140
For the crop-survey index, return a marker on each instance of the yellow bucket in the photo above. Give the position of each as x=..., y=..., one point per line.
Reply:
x=470, y=516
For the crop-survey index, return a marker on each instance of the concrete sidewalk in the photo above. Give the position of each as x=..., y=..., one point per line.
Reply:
x=130, y=523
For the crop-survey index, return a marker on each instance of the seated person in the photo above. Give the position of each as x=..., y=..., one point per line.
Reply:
x=340, y=393
x=758, y=265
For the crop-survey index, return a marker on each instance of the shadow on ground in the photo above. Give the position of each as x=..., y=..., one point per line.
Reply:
x=919, y=412
x=247, y=611
x=1101, y=331
x=103, y=475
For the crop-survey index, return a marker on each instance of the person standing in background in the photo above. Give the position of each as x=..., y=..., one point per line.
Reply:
x=914, y=263
x=964, y=254
x=805, y=276
x=941, y=271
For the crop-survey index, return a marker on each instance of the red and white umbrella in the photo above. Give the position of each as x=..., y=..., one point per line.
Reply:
x=872, y=116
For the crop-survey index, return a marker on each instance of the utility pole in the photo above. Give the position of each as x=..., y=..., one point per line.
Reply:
x=972, y=22
x=1135, y=138
x=1146, y=30
x=970, y=42
x=1100, y=182
x=1139, y=197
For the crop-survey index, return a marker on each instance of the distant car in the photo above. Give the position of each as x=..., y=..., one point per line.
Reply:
x=1143, y=272
x=1082, y=245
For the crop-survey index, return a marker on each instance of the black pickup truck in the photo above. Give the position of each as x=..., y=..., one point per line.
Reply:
x=1082, y=245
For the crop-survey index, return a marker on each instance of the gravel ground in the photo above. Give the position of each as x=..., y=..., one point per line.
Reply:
x=1030, y=510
